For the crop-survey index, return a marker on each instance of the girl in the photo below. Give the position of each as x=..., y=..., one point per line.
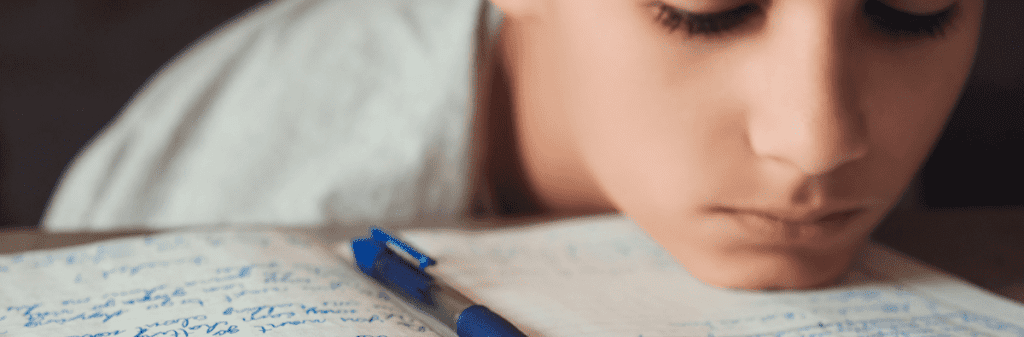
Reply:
x=758, y=141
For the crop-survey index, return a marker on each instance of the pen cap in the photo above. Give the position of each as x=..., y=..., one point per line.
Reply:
x=366, y=251
x=478, y=321
x=376, y=260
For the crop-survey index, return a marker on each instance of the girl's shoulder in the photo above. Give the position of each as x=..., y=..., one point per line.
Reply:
x=292, y=113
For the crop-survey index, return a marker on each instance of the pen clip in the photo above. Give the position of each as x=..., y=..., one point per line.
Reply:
x=383, y=237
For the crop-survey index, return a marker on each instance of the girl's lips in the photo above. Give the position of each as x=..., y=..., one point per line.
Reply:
x=790, y=227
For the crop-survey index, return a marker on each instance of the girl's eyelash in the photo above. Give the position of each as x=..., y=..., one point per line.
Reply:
x=702, y=23
x=901, y=24
x=882, y=17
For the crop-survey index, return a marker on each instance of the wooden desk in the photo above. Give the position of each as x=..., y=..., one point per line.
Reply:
x=983, y=246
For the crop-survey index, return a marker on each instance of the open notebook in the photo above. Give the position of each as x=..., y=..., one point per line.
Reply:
x=597, y=276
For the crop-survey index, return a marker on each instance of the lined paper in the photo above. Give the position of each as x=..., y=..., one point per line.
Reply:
x=598, y=276
x=602, y=276
x=195, y=284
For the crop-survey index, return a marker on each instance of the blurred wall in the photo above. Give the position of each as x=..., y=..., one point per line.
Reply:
x=980, y=159
x=66, y=67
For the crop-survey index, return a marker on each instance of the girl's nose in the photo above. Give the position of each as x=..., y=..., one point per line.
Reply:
x=805, y=109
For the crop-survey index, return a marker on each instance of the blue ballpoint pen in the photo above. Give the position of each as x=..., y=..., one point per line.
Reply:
x=376, y=259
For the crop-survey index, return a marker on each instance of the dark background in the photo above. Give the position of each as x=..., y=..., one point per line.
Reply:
x=67, y=67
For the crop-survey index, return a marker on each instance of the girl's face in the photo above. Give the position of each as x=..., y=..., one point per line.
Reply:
x=758, y=141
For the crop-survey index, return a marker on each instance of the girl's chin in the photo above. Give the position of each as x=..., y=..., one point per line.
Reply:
x=770, y=269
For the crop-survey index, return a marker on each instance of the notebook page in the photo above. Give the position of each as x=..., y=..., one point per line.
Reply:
x=603, y=276
x=195, y=284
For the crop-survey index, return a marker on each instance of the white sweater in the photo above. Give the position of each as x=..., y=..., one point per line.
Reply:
x=297, y=113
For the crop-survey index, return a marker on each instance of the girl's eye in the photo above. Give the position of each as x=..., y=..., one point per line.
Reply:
x=702, y=23
x=901, y=24
x=883, y=18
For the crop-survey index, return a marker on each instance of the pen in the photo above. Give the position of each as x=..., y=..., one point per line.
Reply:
x=379, y=256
